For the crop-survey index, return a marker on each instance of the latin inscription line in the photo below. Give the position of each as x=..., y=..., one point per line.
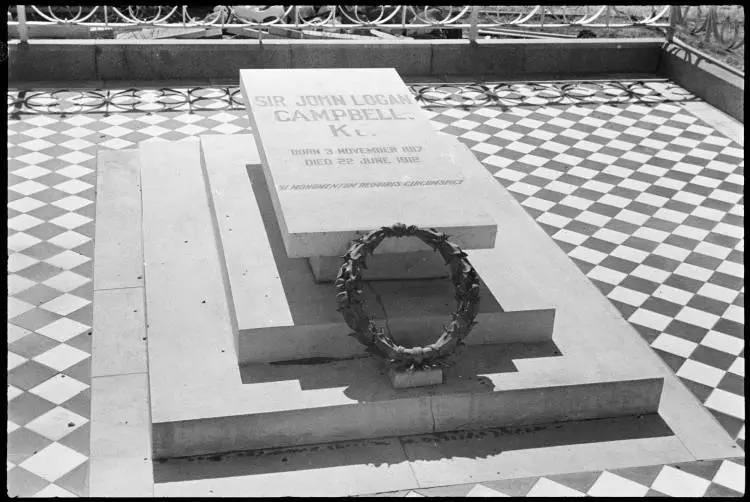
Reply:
x=368, y=184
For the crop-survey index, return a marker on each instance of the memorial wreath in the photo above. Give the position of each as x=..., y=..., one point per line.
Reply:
x=465, y=281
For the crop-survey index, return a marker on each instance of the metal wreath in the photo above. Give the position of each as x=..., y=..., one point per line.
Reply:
x=465, y=281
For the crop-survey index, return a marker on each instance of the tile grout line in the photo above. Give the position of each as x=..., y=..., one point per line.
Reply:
x=120, y=374
x=409, y=463
x=120, y=288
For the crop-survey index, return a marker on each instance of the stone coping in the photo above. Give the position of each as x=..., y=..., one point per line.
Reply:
x=46, y=63
x=120, y=441
x=408, y=79
x=97, y=60
x=717, y=86
x=599, y=42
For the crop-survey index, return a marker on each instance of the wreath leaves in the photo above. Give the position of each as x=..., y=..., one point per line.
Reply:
x=465, y=282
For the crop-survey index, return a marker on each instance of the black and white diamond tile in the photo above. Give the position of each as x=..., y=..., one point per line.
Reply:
x=715, y=478
x=647, y=200
x=51, y=210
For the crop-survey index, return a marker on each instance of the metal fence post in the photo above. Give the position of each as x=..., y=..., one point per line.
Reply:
x=541, y=19
x=713, y=24
x=473, y=20
x=23, y=29
x=403, y=20
x=673, y=15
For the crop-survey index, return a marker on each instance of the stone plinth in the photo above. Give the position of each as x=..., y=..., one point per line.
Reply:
x=349, y=150
x=203, y=402
x=297, y=317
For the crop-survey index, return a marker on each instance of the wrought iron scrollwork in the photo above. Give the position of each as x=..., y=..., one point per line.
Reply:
x=429, y=95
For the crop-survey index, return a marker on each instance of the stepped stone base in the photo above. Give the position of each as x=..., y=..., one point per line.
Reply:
x=298, y=318
x=203, y=293
x=202, y=401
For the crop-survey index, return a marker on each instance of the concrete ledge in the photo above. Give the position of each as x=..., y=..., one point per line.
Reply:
x=321, y=471
x=180, y=59
x=120, y=458
x=256, y=294
x=119, y=409
x=705, y=79
x=117, y=246
x=50, y=60
x=328, y=338
x=185, y=270
x=728, y=126
x=408, y=79
x=431, y=460
x=41, y=30
x=513, y=58
x=103, y=60
x=408, y=57
x=459, y=403
x=459, y=57
x=119, y=339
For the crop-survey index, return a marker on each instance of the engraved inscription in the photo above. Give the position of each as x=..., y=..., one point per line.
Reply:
x=366, y=156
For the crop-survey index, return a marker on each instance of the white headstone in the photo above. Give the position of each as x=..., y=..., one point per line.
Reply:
x=346, y=151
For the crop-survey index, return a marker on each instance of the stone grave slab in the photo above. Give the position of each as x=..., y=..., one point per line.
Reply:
x=346, y=151
x=298, y=318
x=202, y=401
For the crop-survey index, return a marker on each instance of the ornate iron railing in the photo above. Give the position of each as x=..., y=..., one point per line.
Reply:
x=363, y=16
x=721, y=26
x=429, y=95
x=724, y=25
x=338, y=17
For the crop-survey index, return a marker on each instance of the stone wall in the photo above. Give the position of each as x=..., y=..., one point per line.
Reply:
x=99, y=61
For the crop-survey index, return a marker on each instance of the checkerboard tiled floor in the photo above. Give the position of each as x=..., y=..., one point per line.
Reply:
x=649, y=203
x=647, y=200
x=716, y=478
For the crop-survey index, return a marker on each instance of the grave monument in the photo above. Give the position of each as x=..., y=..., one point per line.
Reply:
x=365, y=157
x=242, y=241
